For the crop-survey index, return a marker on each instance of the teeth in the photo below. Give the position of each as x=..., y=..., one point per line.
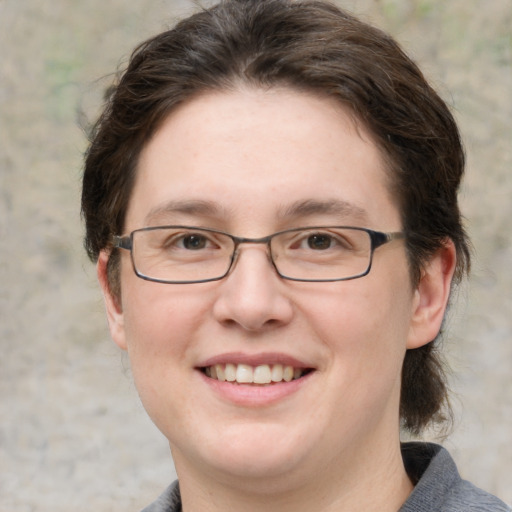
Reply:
x=288, y=373
x=277, y=373
x=262, y=374
x=221, y=374
x=246, y=374
x=230, y=372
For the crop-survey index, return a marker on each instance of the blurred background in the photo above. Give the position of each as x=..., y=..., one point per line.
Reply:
x=73, y=435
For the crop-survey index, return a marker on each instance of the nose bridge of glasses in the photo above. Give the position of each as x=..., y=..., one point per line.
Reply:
x=248, y=242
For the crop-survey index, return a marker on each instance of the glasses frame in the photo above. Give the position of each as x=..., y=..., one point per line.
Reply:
x=377, y=238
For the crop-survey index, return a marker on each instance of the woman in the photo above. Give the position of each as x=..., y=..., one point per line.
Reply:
x=271, y=199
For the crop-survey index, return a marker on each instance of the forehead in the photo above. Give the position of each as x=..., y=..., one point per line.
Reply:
x=260, y=155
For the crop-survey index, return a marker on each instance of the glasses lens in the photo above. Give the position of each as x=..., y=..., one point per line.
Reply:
x=181, y=254
x=322, y=254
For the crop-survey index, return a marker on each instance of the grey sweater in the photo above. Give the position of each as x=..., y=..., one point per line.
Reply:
x=438, y=486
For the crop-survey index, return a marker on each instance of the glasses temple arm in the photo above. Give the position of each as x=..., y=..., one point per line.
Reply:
x=122, y=242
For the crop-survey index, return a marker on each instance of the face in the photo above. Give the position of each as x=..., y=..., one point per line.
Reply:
x=253, y=163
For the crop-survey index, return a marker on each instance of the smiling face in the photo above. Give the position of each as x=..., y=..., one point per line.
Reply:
x=252, y=163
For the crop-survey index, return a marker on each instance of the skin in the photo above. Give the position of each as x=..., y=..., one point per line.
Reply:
x=331, y=441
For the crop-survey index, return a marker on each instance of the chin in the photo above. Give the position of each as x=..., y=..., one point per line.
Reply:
x=253, y=474
x=251, y=456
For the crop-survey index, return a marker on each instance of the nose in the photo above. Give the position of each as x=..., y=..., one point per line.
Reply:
x=253, y=296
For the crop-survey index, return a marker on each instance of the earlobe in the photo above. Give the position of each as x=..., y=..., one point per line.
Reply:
x=113, y=305
x=431, y=296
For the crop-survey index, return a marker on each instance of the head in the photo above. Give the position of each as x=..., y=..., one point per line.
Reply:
x=313, y=48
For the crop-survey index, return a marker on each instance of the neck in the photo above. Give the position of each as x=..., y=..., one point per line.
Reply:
x=371, y=481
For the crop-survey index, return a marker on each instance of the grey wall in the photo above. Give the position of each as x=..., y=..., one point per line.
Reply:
x=72, y=433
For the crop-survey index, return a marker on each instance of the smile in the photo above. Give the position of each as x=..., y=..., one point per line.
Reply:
x=264, y=374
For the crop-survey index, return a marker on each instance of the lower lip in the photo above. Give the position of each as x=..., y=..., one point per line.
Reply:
x=255, y=395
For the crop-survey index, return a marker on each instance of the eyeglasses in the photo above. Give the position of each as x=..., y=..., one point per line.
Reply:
x=186, y=254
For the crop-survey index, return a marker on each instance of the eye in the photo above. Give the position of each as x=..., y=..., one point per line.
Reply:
x=193, y=242
x=319, y=241
x=190, y=241
x=334, y=241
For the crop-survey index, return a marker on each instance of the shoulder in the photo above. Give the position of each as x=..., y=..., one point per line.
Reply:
x=439, y=486
x=168, y=501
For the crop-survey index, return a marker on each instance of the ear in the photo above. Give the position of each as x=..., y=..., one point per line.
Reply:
x=113, y=305
x=431, y=296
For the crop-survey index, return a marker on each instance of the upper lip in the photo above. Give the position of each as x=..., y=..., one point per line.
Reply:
x=254, y=359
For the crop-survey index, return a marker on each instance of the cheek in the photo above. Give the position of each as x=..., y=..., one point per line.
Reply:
x=160, y=328
x=364, y=326
x=160, y=321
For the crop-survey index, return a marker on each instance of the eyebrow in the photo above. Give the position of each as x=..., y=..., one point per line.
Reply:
x=184, y=207
x=311, y=207
x=297, y=210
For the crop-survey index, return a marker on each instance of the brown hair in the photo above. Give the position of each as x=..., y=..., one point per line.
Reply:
x=313, y=46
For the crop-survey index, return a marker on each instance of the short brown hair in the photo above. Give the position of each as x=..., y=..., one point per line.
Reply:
x=307, y=45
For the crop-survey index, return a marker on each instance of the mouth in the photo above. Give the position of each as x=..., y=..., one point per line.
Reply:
x=261, y=375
